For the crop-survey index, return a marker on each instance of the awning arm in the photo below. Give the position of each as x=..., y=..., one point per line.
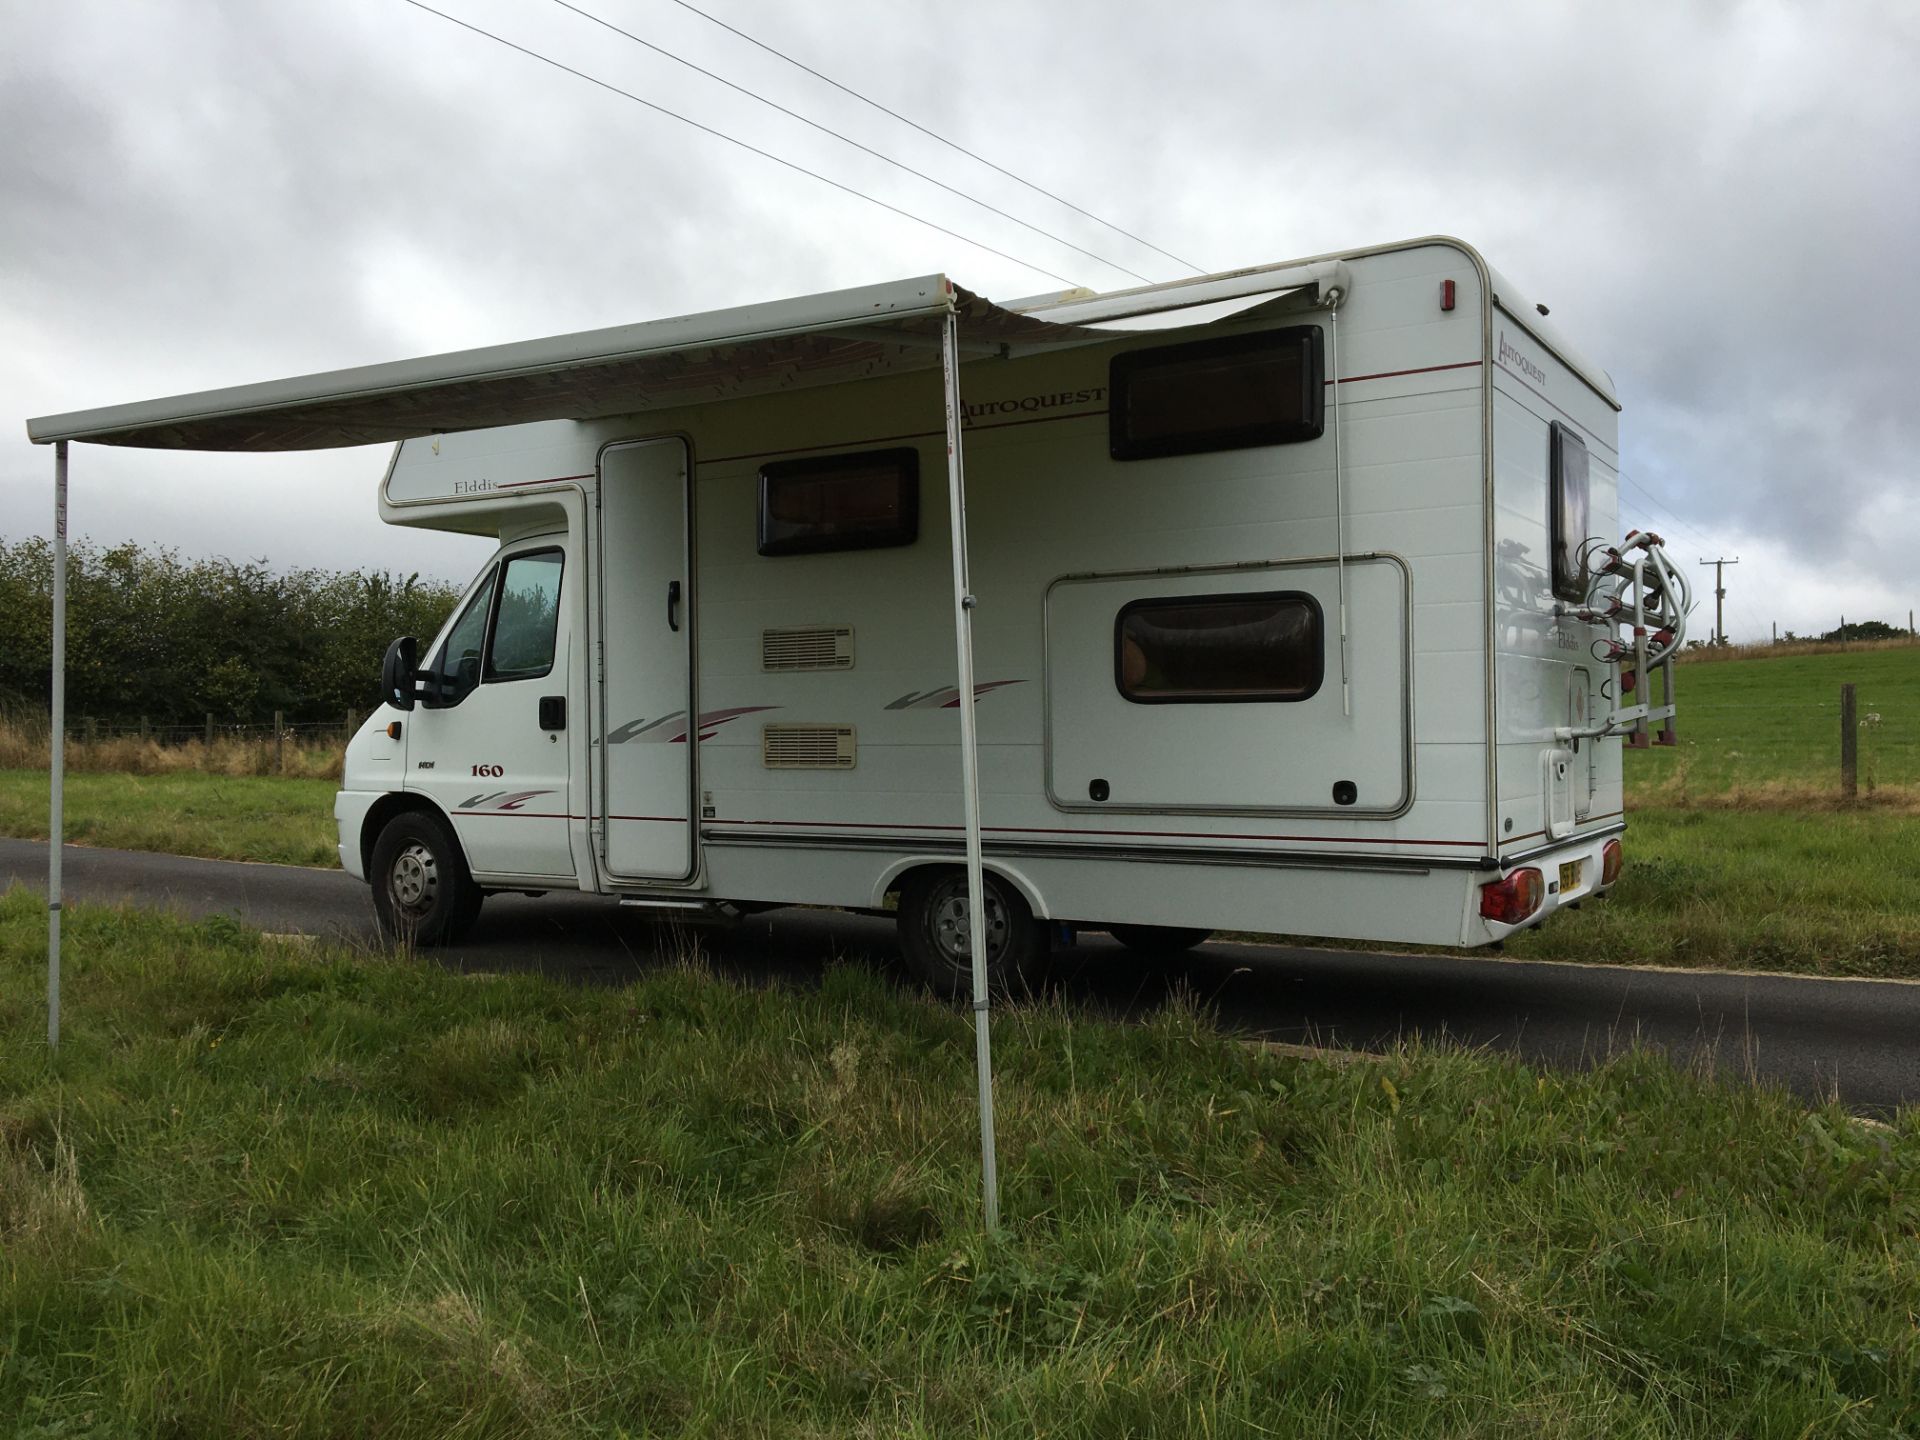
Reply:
x=963, y=603
x=1325, y=278
x=57, y=767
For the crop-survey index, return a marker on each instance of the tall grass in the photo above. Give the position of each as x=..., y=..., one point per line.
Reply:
x=274, y=1191
x=1789, y=649
x=25, y=744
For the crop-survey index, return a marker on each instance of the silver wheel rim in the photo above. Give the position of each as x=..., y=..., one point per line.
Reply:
x=413, y=880
x=950, y=924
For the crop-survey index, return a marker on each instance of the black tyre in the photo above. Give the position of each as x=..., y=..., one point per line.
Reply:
x=934, y=934
x=1157, y=939
x=422, y=890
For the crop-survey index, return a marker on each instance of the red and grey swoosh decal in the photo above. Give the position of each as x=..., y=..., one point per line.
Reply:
x=672, y=729
x=946, y=698
x=509, y=800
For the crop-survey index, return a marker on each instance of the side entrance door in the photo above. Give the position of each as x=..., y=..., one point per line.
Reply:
x=649, y=729
x=488, y=741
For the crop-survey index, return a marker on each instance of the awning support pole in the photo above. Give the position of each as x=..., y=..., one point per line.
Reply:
x=1339, y=501
x=57, y=766
x=963, y=603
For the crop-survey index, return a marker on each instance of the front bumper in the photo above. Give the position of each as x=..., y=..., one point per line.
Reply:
x=350, y=809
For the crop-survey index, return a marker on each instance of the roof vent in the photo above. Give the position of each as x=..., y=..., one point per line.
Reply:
x=814, y=647
x=807, y=747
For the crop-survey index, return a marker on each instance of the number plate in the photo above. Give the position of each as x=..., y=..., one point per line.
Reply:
x=1570, y=875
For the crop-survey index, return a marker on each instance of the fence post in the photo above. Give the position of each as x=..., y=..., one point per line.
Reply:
x=93, y=729
x=1849, y=746
x=279, y=743
x=209, y=729
x=146, y=730
x=353, y=722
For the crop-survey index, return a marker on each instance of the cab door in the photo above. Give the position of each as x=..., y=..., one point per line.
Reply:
x=488, y=740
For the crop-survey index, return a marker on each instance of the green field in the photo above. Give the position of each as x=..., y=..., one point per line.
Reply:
x=1830, y=893
x=182, y=812
x=273, y=1190
x=1766, y=725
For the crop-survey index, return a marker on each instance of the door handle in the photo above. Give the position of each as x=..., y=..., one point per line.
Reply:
x=673, y=605
x=553, y=712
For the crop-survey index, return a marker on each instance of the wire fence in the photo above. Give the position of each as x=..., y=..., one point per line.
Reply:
x=86, y=729
x=302, y=748
x=1865, y=744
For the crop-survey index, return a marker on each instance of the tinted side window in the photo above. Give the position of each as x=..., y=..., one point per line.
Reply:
x=1225, y=394
x=840, y=502
x=456, y=669
x=529, y=614
x=1215, y=648
x=1570, y=512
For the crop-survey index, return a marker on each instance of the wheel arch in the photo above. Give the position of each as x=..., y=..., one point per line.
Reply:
x=895, y=875
x=402, y=802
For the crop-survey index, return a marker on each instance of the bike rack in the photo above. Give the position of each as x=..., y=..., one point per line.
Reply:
x=1634, y=585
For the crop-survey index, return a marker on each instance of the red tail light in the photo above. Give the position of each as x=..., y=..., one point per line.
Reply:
x=1513, y=899
x=1610, y=861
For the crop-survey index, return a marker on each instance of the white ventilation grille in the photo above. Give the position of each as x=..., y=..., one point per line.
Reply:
x=807, y=747
x=815, y=647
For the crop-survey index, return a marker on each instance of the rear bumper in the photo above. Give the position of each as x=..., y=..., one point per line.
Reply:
x=1571, y=869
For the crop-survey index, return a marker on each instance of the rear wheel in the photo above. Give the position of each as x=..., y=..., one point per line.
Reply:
x=423, y=892
x=1157, y=939
x=935, y=933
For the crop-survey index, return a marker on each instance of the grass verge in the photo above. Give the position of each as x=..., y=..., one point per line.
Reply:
x=1816, y=891
x=182, y=812
x=1828, y=893
x=291, y=1191
x=1722, y=888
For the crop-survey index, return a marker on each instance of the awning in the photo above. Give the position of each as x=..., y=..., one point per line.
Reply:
x=726, y=354
x=688, y=360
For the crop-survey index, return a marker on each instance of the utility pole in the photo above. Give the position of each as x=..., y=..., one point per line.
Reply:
x=1720, y=597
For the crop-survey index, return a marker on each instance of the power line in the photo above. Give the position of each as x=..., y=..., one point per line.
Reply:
x=1654, y=521
x=732, y=140
x=848, y=140
x=1629, y=480
x=935, y=135
x=1652, y=518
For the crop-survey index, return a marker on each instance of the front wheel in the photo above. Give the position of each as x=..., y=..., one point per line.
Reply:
x=423, y=892
x=935, y=934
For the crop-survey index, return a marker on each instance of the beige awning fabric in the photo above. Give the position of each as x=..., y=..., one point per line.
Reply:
x=822, y=339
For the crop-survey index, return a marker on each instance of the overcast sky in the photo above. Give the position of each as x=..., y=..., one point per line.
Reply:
x=1718, y=202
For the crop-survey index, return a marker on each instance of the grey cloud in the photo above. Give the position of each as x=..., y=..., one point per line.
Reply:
x=1714, y=198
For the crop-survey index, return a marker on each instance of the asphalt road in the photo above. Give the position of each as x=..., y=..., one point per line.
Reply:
x=1859, y=1040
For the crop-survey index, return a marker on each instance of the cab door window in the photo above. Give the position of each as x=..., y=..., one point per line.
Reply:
x=527, y=617
x=455, y=671
x=506, y=631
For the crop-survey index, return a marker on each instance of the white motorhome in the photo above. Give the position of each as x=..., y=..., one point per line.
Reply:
x=1291, y=612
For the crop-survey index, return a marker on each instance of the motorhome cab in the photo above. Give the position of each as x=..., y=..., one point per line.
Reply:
x=1293, y=597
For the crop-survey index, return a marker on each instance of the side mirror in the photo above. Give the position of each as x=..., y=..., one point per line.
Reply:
x=398, y=673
